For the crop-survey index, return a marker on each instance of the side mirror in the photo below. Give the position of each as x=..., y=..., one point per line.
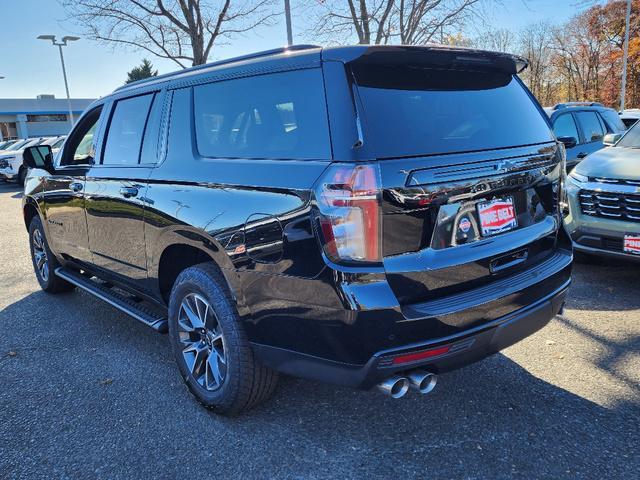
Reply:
x=569, y=142
x=38, y=157
x=611, y=139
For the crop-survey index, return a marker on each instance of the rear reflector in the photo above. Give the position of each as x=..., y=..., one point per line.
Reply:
x=413, y=357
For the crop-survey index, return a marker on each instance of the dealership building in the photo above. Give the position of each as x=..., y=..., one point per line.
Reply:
x=42, y=116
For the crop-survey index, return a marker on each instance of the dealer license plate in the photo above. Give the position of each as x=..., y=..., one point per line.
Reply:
x=497, y=216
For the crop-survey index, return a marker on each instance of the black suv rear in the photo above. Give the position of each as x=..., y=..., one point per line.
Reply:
x=360, y=215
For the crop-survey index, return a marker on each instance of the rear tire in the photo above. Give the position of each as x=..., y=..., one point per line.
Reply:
x=210, y=345
x=44, y=262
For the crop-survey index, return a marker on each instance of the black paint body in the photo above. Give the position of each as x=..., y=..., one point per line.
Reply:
x=255, y=218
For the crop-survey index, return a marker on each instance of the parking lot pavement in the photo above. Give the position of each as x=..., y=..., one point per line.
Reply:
x=86, y=392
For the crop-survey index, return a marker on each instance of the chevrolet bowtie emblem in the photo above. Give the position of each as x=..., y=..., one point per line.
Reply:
x=505, y=165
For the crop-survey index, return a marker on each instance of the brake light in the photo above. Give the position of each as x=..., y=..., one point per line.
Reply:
x=348, y=198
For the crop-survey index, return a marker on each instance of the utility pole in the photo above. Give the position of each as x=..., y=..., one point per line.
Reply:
x=61, y=44
x=625, y=56
x=287, y=14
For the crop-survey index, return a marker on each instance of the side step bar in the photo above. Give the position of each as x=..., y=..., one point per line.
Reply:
x=119, y=300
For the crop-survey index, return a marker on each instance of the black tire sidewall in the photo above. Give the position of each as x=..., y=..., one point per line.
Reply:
x=200, y=281
x=36, y=224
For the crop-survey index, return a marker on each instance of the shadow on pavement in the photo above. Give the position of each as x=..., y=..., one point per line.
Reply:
x=99, y=392
x=606, y=287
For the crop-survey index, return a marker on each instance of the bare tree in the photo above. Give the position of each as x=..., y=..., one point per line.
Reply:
x=409, y=22
x=184, y=31
x=500, y=40
x=422, y=21
x=535, y=43
x=368, y=19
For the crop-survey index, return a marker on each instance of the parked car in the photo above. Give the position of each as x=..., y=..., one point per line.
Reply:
x=604, y=200
x=586, y=123
x=11, y=163
x=16, y=145
x=11, y=158
x=255, y=208
x=8, y=143
x=630, y=116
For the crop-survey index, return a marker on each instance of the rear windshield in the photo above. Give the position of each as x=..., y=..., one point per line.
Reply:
x=412, y=111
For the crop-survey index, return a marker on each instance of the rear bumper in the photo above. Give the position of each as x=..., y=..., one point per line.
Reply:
x=604, y=252
x=464, y=348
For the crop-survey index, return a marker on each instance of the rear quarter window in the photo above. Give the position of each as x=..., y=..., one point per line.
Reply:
x=280, y=115
x=412, y=111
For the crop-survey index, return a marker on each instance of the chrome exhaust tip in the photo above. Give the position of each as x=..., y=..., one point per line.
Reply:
x=421, y=381
x=395, y=386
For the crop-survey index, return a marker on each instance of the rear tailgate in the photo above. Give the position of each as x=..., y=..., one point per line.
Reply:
x=455, y=223
x=470, y=173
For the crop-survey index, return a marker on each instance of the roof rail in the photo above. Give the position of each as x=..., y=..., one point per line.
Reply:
x=265, y=53
x=558, y=106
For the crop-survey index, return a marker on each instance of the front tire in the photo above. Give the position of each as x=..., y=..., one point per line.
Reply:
x=210, y=346
x=44, y=262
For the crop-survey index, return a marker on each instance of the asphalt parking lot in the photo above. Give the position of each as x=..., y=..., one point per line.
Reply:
x=86, y=392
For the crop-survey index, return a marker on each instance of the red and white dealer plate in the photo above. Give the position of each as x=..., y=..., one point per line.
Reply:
x=497, y=216
x=632, y=244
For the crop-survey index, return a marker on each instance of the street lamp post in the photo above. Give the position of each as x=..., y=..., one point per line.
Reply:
x=625, y=56
x=62, y=43
x=287, y=16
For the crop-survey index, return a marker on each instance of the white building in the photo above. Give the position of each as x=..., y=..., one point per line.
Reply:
x=38, y=117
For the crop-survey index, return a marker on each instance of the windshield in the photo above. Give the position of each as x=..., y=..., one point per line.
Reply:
x=411, y=110
x=17, y=145
x=32, y=143
x=632, y=138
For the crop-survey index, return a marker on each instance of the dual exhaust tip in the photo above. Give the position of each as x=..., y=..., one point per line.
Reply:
x=397, y=386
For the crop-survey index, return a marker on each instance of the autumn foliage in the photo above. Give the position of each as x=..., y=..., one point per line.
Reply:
x=582, y=59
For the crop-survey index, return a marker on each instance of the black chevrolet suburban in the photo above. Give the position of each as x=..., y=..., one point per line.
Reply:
x=365, y=216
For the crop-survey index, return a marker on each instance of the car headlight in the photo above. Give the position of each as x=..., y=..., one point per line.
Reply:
x=4, y=162
x=577, y=177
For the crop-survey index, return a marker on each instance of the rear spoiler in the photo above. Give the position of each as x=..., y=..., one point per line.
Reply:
x=436, y=56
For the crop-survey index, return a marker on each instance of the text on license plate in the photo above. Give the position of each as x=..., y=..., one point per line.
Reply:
x=497, y=216
x=632, y=244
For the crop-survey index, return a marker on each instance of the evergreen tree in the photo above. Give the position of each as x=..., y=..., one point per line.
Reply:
x=144, y=70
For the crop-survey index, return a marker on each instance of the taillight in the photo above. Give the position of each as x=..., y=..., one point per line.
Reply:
x=348, y=198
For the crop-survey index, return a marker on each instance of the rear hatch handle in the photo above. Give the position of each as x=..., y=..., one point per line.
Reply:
x=509, y=260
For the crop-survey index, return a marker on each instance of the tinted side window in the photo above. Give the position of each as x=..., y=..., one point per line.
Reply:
x=126, y=128
x=281, y=115
x=591, y=126
x=565, y=126
x=149, y=153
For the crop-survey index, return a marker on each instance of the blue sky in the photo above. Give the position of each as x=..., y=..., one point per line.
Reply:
x=32, y=66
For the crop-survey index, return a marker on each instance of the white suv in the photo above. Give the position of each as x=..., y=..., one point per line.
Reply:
x=11, y=167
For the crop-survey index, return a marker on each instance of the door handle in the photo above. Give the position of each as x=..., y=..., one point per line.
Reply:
x=582, y=155
x=128, y=192
x=75, y=186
